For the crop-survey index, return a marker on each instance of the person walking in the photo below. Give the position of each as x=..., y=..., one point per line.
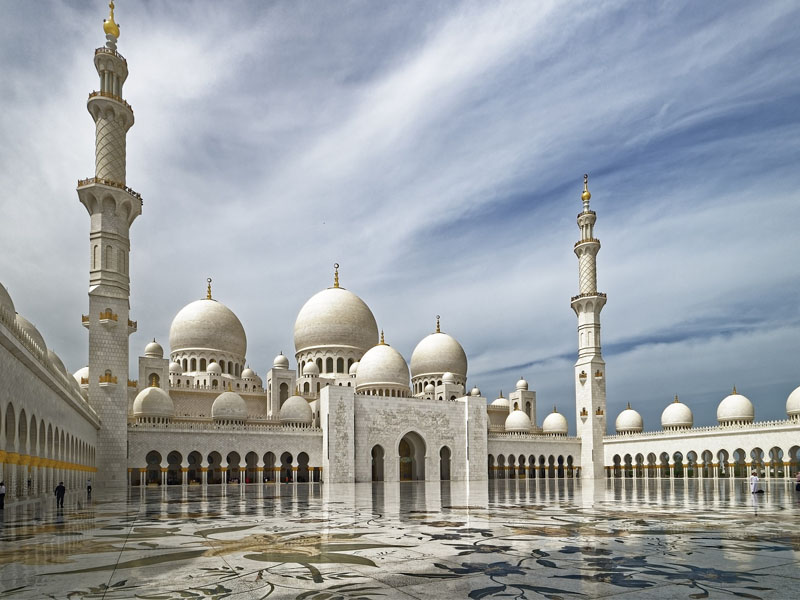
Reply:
x=3, y=494
x=60, y=491
x=754, y=483
x=89, y=489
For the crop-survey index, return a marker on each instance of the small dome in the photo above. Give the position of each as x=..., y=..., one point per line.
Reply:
x=56, y=362
x=175, y=368
x=296, y=409
x=28, y=328
x=229, y=406
x=153, y=402
x=430, y=389
x=448, y=377
x=353, y=369
x=439, y=353
x=310, y=369
x=735, y=409
x=5, y=300
x=677, y=416
x=208, y=325
x=793, y=404
x=475, y=391
x=518, y=422
x=280, y=362
x=522, y=385
x=382, y=365
x=555, y=424
x=500, y=401
x=154, y=350
x=248, y=373
x=335, y=318
x=629, y=421
x=214, y=368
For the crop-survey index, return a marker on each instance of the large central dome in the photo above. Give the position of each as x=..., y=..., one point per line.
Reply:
x=335, y=318
x=208, y=325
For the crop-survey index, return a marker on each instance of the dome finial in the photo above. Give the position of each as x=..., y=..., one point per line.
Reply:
x=383, y=343
x=109, y=26
x=586, y=195
x=629, y=406
x=208, y=290
x=676, y=399
x=501, y=392
x=734, y=389
x=554, y=408
x=438, y=329
x=336, y=275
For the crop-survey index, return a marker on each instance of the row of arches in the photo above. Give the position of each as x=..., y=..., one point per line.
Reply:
x=108, y=262
x=217, y=468
x=410, y=456
x=522, y=467
x=36, y=454
x=775, y=462
x=420, y=385
x=194, y=364
x=330, y=365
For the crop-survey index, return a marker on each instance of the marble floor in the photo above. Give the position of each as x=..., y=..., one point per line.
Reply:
x=551, y=539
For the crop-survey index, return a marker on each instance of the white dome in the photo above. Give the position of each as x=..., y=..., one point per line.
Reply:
x=448, y=378
x=354, y=368
x=248, y=373
x=500, y=401
x=28, y=328
x=296, y=409
x=214, y=368
x=438, y=353
x=793, y=404
x=430, y=389
x=382, y=365
x=208, y=325
x=229, y=406
x=677, y=416
x=629, y=421
x=56, y=362
x=475, y=391
x=735, y=408
x=555, y=424
x=280, y=362
x=310, y=369
x=5, y=300
x=518, y=422
x=153, y=402
x=154, y=350
x=522, y=385
x=175, y=368
x=335, y=318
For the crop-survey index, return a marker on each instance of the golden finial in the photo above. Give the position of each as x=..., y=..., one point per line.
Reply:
x=554, y=408
x=438, y=329
x=629, y=406
x=586, y=195
x=676, y=399
x=501, y=393
x=208, y=291
x=109, y=26
x=336, y=275
x=383, y=343
x=734, y=389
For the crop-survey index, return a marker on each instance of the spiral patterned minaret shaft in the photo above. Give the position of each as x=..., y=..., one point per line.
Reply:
x=112, y=207
x=590, y=368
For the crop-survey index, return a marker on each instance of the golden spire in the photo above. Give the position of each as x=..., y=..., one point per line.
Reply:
x=734, y=389
x=109, y=26
x=208, y=291
x=629, y=406
x=586, y=195
x=554, y=408
x=676, y=399
x=501, y=393
x=438, y=330
x=383, y=343
x=336, y=275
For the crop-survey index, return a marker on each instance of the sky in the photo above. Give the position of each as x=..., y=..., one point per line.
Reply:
x=436, y=151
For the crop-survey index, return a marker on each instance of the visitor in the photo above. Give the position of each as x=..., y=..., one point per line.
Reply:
x=3, y=494
x=60, y=491
x=89, y=489
x=754, y=483
x=796, y=485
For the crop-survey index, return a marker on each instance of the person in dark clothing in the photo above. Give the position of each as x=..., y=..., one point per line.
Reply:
x=60, y=491
x=2, y=495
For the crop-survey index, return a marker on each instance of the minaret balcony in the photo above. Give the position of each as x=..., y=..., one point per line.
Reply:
x=586, y=241
x=108, y=319
x=110, y=96
x=85, y=321
x=105, y=50
x=108, y=381
x=133, y=383
x=108, y=182
x=84, y=381
x=588, y=295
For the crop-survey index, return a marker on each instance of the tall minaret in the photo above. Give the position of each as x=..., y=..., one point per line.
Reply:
x=590, y=369
x=113, y=207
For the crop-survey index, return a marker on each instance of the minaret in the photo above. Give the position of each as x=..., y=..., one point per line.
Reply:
x=590, y=369
x=112, y=207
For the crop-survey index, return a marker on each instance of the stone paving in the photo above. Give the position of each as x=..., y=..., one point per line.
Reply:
x=551, y=539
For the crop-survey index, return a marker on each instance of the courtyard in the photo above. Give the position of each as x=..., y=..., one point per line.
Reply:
x=530, y=538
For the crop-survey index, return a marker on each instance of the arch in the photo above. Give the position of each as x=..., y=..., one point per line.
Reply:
x=194, y=473
x=340, y=365
x=203, y=364
x=174, y=473
x=233, y=461
x=269, y=466
x=286, y=468
x=306, y=388
x=329, y=365
x=444, y=463
x=411, y=451
x=283, y=393
x=560, y=467
x=11, y=427
x=512, y=466
x=153, y=471
x=491, y=466
x=522, y=471
x=302, y=468
x=377, y=454
x=251, y=467
x=319, y=364
x=214, y=472
x=194, y=365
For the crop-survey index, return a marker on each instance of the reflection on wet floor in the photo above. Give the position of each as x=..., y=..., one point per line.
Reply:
x=502, y=538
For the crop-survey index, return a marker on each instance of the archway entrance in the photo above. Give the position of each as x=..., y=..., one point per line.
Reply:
x=411, y=452
x=444, y=463
x=377, y=463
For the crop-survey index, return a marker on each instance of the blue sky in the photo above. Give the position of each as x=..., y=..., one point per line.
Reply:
x=435, y=151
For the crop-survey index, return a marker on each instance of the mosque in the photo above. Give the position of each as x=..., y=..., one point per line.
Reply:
x=348, y=409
